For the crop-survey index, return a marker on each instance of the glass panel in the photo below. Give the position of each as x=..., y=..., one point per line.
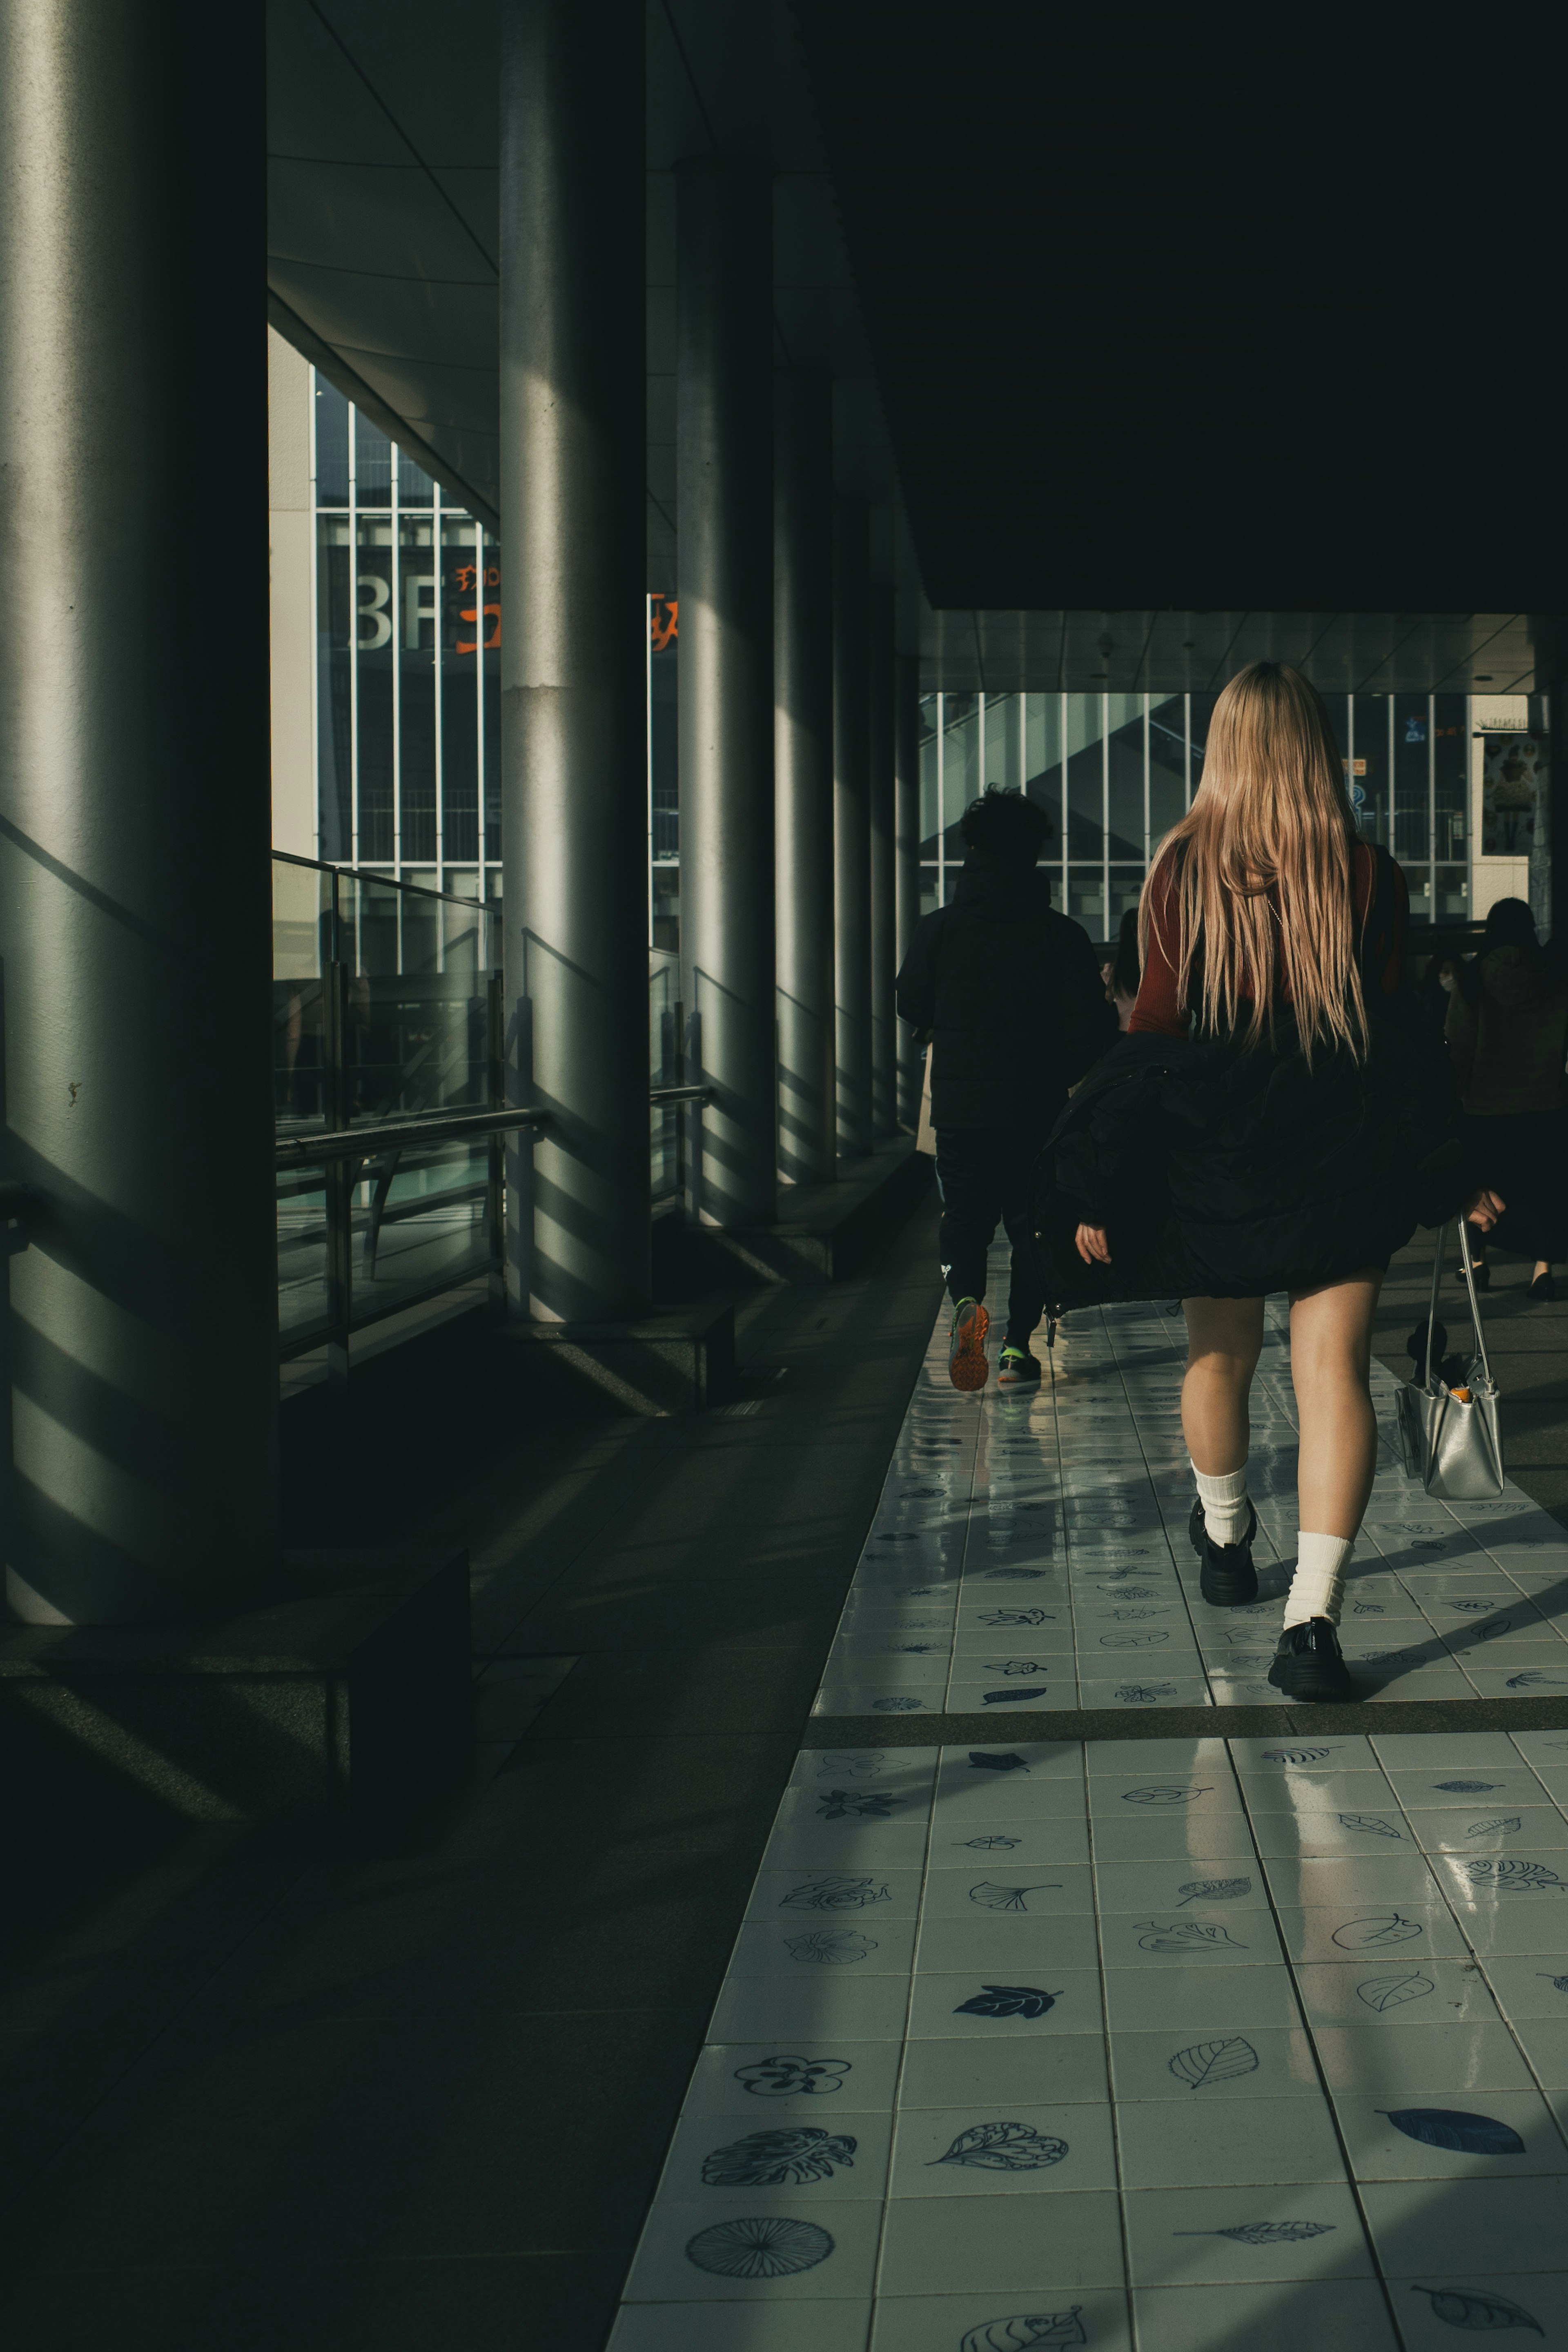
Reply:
x=961, y=765
x=1418, y=882
x=1086, y=777
x=489, y=617
x=460, y=690
x=302, y=949
x=1043, y=761
x=417, y=1222
x=1086, y=898
x=372, y=464
x=1126, y=888
x=417, y=590
x=334, y=704
x=304, y=1298
x=417, y=1013
x=1003, y=752
x=927, y=889
x=1453, y=894
x=664, y=740
x=1369, y=781
x=663, y=1058
x=374, y=652
x=331, y=444
x=1126, y=801
x=1167, y=767
x=1451, y=755
x=928, y=774
x=414, y=487
x=1412, y=752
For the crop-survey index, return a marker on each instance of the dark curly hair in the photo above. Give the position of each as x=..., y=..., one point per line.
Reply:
x=1004, y=822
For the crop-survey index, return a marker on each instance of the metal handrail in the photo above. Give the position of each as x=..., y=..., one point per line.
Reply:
x=364, y=1141
x=388, y=1135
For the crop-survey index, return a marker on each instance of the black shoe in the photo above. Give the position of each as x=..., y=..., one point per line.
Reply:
x=1480, y=1273
x=1227, y=1580
x=1544, y=1288
x=1308, y=1665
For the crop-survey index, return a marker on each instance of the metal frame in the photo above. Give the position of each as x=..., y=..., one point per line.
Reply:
x=442, y=510
x=1064, y=867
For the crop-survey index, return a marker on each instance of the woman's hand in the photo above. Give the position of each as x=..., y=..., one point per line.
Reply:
x=1091, y=1245
x=1482, y=1213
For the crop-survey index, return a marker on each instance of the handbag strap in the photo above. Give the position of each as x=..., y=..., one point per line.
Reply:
x=1440, y=1246
x=1432, y=1382
x=1475, y=1303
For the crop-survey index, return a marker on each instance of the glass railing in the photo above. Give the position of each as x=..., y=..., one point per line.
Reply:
x=664, y=1062
x=386, y=1014
x=388, y=1096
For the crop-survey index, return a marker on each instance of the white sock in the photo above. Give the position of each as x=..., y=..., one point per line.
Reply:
x=1320, y=1578
x=1225, y=1505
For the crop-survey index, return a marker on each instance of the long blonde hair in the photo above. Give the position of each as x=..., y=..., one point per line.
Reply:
x=1264, y=882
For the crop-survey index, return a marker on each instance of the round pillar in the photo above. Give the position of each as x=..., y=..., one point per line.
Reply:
x=134, y=811
x=574, y=681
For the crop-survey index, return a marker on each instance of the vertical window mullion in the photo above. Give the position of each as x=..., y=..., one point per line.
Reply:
x=941, y=800
x=1105, y=816
x=436, y=659
x=397, y=634
x=1062, y=755
x=1432, y=803
x=354, y=640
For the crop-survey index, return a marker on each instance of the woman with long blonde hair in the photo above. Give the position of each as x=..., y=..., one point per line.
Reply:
x=1275, y=1120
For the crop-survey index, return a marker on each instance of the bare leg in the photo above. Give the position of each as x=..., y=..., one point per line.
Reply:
x=1224, y=1338
x=1331, y=1358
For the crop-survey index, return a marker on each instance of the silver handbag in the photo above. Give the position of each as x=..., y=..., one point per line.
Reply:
x=1454, y=1448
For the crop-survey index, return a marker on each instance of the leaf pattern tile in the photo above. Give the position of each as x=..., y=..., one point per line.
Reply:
x=1257, y=2072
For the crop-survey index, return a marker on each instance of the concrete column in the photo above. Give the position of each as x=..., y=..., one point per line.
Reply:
x=852, y=823
x=803, y=770
x=573, y=687
x=135, y=881
x=906, y=858
x=723, y=433
x=884, y=899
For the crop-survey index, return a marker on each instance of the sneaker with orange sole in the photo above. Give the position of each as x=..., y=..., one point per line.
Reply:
x=967, y=1366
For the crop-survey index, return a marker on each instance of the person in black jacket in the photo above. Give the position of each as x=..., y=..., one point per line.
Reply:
x=1013, y=999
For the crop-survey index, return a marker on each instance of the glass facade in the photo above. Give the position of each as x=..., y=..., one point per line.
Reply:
x=1116, y=771
x=407, y=664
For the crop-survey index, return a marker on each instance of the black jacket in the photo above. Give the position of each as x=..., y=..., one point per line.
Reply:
x=1011, y=994
x=1228, y=1171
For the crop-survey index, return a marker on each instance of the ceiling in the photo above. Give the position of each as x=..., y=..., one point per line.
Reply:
x=1183, y=308
x=1208, y=306
x=1172, y=653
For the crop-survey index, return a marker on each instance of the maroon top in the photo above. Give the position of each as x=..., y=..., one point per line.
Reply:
x=1158, y=1007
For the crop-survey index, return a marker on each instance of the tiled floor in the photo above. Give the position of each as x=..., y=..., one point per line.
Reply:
x=1155, y=2042
x=1031, y=1549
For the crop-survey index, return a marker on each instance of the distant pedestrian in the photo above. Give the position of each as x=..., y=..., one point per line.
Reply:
x=1507, y=1032
x=1010, y=992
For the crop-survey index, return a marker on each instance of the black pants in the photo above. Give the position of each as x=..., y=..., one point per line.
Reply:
x=984, y=1176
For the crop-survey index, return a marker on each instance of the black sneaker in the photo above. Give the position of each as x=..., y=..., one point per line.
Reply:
x=1228, y=1580
x=1018, y=1369
x=1308, y=1665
